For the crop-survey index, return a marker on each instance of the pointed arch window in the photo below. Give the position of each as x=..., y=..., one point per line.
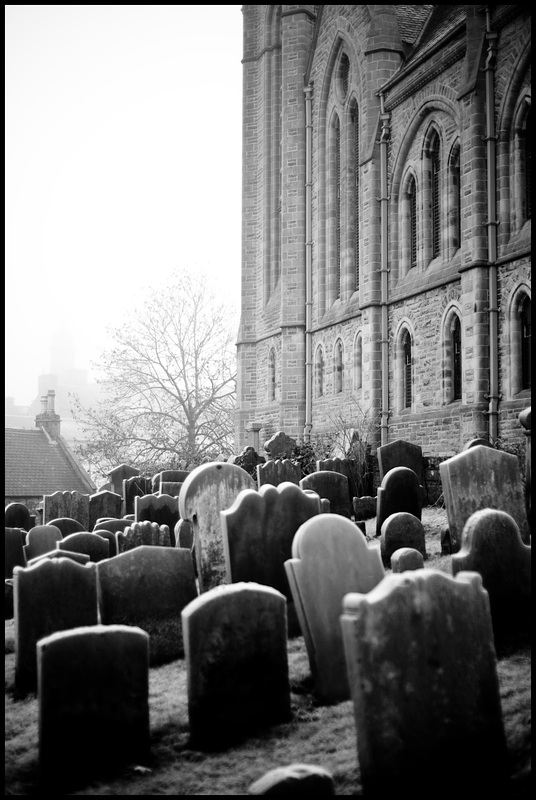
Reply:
x=454, y=201
x=456, y=343
x=319, y=372
x=407, y=370
x=528, y=166
x=338, y=206
x=271, y=375
x=338, y=368
x=434, y=196
x=354, y=117
x=358, y=362
x=525, y=316
x=412, y=222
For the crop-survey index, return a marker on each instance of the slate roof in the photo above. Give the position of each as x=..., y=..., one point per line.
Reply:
x=410, y=20
x=36, y=465
x=440, y=22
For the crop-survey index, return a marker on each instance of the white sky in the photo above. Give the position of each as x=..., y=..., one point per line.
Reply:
x=123, y=163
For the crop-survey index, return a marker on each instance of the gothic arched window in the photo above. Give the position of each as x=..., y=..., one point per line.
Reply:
x=434, y=197
x=338, y=372
x=525, y=314
x=407, y=370
x=358, y=362
x=456, y=343
x=319, y=372
x=271, y=375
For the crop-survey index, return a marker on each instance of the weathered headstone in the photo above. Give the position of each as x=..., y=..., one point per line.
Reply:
x=134, y=487
x=149, y=587
x=298, y=780
x=346, y=466
x=401, y=530
x=479, y=478
x=408, y=646
x=400, y=491
x=171, y=488
x=92, y=544
x=278, y=471
x=17, y=515
x=365, y=507
x=235, y=641
x=72, y=505
x=78, y=558
x=258, y=531
x=110, y=538
x=142, y=533
x=40, y=540
x=104, y=504
x=330, y=558
x=184, y=534
x=162, y=509
x=406, y=558
x=280, y=446
x=400, y=454
x=333, y=486
x=112, y=525
x=166, y=476
x=209, y=489
x=93, y=702
x=52, y=595
x=14, y=539
x=119, y=474
x=67, y=525
x=492, y=546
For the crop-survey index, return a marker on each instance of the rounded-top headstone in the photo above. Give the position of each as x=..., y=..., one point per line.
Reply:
x=67, y=525
x=297, y=779
x=406, y=558
x=17, y=516
x=401, y=529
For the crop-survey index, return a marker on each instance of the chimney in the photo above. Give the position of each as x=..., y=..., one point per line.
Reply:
x=48, y=419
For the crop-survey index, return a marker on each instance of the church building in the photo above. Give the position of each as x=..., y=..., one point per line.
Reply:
x=386, y=223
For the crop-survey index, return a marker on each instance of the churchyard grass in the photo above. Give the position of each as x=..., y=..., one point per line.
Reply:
x=320, y=735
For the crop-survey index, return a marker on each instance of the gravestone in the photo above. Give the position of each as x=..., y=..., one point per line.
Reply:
x=365, y=507
x=40, y=540
x=249, y=460
x=52, y=595
x=423, y=676
x=298, y=780
x=14, y=539
x=149, y=587
x=330, y=558
x=112, y=525
x=278, y=471
x=110, y=538
x=17, y=515
x=346, y=466
x=142, y=533
x=73, y=505
x=400, y=454
x=235, y=641
x=171, y=488
x=93, y=703
x=209, y=489
x=258, y=531
x=134, y=487
x=479, y=478
x=333, y=486
x=492, y=546
x=162, y=509
x=406, y=558
x=400, y=491
x=184, y=534
x=476, y=442
x=104, y=504
x=92, y=544
x=280, y=446
x=167, y=476
x=401, y=530
x=79, y=558
x=123, y=472
x=67, y=525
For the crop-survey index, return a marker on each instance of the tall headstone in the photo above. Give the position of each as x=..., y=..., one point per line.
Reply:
x=93, y=704
x=346, y=466
x=330, y=558
x=53, y=595
x=492, y=546
x=409, y=643
x=333, y=486
x=235, y=640
x=17, y=515
x=73, y=505
x=401, y=530
x=278, y=471
x=142, y=533
x=121, y=473
x=162, y=509
x=40, y=540
x=149, y=587
x=400, y=491
x=280, y=446
x=92, y=544
x=133, y=487
x=258, y=531
x=479, y=478
x=400, y=454
x=209, y=489
x=104, y=504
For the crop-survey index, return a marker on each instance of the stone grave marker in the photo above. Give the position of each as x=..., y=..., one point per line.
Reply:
x=112, y=525
x=142, y=533
x=93, y=703
x=104, y=504
x=110, y=538
x=333, y=486
x=298, y=780
x=17, y=515
x=406, y=558
x=330, y=558
x=170, y=488
x=67, y=525
x=409, y=644
x=149, y=587
x=479, y=478
x=123, y=472
x=258, y=531
x=209, y=489
x=92, y=544
x=52, y=595
x=492, y=546
x=401, y=530
x=346, y=466
x=162, y=509
x=40, y=540
x=280, y=446
x=476, y=442
x=14, y=539
x=73, y=505
x=400, y=491
x=137, y=486
x=400, y=454
x=278, y=471
x=79, y=558
x=235, y=641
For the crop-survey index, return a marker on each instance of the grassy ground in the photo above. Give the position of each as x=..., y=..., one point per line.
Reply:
x=319, y=735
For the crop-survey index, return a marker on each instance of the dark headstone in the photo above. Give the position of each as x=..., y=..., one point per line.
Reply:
x=400, y=491
x=401, y=530
x=333, y=486
x=17, y=515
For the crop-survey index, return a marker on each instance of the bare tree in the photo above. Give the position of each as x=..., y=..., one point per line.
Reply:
x=169, y=384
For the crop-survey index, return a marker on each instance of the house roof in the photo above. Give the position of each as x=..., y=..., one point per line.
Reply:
x=36, y=465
